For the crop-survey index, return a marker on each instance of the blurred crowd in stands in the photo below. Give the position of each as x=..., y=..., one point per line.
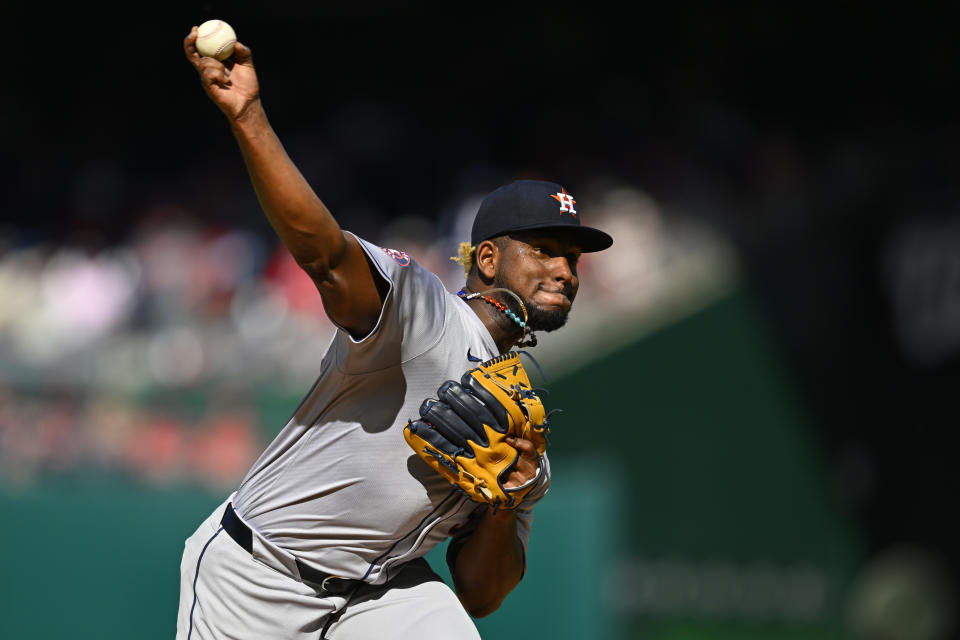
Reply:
x=99, y=347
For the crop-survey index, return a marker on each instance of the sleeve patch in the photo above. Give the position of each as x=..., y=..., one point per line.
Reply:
x=400, y=256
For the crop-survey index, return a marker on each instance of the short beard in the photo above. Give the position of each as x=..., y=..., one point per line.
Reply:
x=538, y=318
x=542, y=320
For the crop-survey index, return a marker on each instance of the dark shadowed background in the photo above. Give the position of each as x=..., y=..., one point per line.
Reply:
x=779, y=324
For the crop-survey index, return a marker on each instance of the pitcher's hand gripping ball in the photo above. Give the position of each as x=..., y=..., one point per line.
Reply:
x=463, y=433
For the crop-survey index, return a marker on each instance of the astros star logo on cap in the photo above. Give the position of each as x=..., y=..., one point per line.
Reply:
x=566, y=201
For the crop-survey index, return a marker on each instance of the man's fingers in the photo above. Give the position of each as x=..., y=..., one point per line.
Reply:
x=526, y=465
x=213, y=75
x=525, y=447
x=190, y=47
x=242, y=53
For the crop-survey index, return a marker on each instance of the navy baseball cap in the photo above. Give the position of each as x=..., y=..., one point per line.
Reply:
x=534, y=204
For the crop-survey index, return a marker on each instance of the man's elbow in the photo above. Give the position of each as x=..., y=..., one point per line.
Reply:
x=481, y=602
x=319, y=260
x=480, y=607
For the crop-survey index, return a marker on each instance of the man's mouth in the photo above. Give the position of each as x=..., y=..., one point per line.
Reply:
x=557, y=297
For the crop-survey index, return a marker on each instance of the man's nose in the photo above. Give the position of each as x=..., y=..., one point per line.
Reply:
x=562, y=270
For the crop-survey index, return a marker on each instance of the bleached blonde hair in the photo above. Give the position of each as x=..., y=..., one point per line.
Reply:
x=464, y=257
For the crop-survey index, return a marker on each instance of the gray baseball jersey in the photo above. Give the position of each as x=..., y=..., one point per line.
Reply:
x=339, y=488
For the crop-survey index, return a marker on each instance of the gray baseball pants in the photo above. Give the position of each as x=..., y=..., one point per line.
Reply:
x=228, y=593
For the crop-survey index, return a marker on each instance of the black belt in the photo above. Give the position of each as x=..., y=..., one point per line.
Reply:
x=242, y=535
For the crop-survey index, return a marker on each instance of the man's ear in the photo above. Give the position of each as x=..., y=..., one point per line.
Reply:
x=487, y=257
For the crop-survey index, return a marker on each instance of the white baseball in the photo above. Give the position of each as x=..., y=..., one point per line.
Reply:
x=215, y=39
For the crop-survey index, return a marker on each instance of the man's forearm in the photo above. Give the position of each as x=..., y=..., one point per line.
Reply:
x=301, y=220
x=490, y=564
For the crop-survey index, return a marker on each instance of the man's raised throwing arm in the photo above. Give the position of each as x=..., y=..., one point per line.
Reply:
x=351, y=289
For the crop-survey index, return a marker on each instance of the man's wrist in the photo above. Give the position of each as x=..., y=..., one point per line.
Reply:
x=251, y=120
x=503, y=516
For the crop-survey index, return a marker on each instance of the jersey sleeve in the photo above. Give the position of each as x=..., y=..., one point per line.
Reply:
x=411, y=320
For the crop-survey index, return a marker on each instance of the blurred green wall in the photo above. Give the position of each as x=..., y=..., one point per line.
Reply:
x=728, y=528
x=685, y=452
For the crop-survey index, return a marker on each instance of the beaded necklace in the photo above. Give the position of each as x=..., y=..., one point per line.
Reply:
x=532, y=342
